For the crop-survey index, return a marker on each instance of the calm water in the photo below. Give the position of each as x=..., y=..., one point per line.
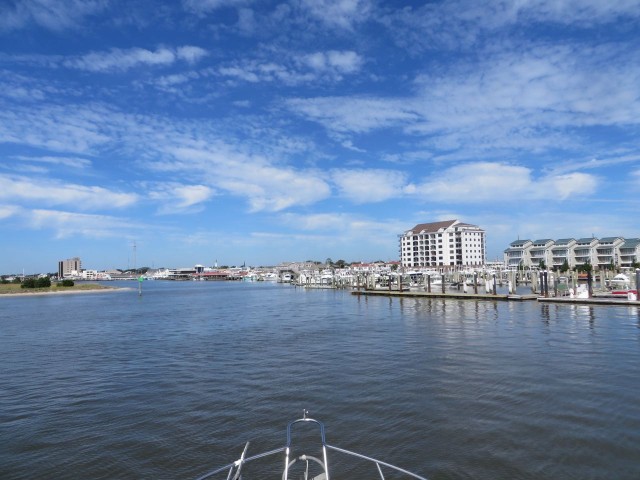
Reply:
x=172, y=384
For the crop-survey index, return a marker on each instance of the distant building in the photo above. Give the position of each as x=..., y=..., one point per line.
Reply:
x=443, y=244
x=518, y=255
x=606, y=252
x=629, y=252
x=69, y=267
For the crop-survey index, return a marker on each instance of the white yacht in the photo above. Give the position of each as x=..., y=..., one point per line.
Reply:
x=298, y=463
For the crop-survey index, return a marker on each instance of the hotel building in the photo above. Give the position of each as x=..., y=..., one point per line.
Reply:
x=443, y=244
x=69, y=267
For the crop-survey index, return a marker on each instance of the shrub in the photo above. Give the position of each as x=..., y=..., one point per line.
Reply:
x=29, y=283
x=43, y=282
x=67, y=283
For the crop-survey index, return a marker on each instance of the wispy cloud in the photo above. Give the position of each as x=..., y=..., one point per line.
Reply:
x=341, y=14
x=7, y=211
x=264, y=185
x=510, y=101
x=484, y=181
x=462, y=24
x=119, y=60
x=69, y=129
x=51, y=192
x=369, y=185
x=69, y=224
x=72, y=162
x=296, y=69
x=339, y=61
x=179, y=198
x=355, y=114
x=54, y=15
x=205, y=6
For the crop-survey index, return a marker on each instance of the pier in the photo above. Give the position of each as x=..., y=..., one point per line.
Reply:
x=499, y=297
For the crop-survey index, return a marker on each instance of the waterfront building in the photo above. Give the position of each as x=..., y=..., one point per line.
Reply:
x=69, y=267
x=518, y=255
x=601, y=253
x=449, y=243
x=563, y=251
x=541, y=252
x=629, y=252
x=585, y=251
x=608, y=252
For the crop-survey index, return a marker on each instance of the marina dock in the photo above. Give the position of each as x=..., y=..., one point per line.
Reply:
x=498, y=297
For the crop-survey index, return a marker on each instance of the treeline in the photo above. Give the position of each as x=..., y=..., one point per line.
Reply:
x=44, y=282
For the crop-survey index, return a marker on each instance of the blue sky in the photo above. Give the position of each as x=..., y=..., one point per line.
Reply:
x=261, y=132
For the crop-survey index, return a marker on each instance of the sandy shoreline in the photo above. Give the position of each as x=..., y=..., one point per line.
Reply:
x=66, y=292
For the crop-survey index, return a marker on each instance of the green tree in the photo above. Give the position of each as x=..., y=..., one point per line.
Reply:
x=542, y=265
x=29, y=283
x=565, y=266
x=43, y=282
x=585, y=267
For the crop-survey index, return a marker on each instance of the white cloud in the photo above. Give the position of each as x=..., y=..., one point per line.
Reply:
x=318, y=221
x=369, y=185
x=337, y=61
x=55, y=15
x=462, y=24
x=178, y=198
x=355, y=114
x=205, y=6
x=329, y=66
x=342, y=14
x=485, y=182
x=72, y=162
x=191, y=54
x=52, y=192
x=121, y=60
x=70, y=224
x=510, y=101
x=344, y=230
x=69, y=128
x=7, y=211
x=264, y=185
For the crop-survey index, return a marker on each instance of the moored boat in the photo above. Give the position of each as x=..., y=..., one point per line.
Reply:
x=299, y=464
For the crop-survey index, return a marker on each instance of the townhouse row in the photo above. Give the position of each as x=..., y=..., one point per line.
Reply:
x=606, y=252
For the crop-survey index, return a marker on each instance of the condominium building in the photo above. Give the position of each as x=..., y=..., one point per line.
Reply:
x=69, y=267
x=446, y=244
x=629, y=252
x=608, y=251
x=605, y=252
x=562, y=251
x=518, y=254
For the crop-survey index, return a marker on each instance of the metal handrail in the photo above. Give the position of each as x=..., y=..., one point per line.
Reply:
x=287, y=463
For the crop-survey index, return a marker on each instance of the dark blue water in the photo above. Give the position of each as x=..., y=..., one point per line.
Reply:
x=172, y=384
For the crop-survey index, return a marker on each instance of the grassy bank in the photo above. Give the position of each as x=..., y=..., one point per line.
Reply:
x=12, y=288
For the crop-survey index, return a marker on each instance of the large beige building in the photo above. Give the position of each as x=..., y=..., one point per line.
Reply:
x=69, y=267
x=443, y=244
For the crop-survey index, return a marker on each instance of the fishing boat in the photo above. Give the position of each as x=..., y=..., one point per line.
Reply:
x=299, y=464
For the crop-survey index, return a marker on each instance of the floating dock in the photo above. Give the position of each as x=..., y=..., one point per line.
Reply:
x=497, y=297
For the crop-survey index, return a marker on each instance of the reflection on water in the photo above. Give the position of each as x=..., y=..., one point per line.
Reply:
x=174, y=382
